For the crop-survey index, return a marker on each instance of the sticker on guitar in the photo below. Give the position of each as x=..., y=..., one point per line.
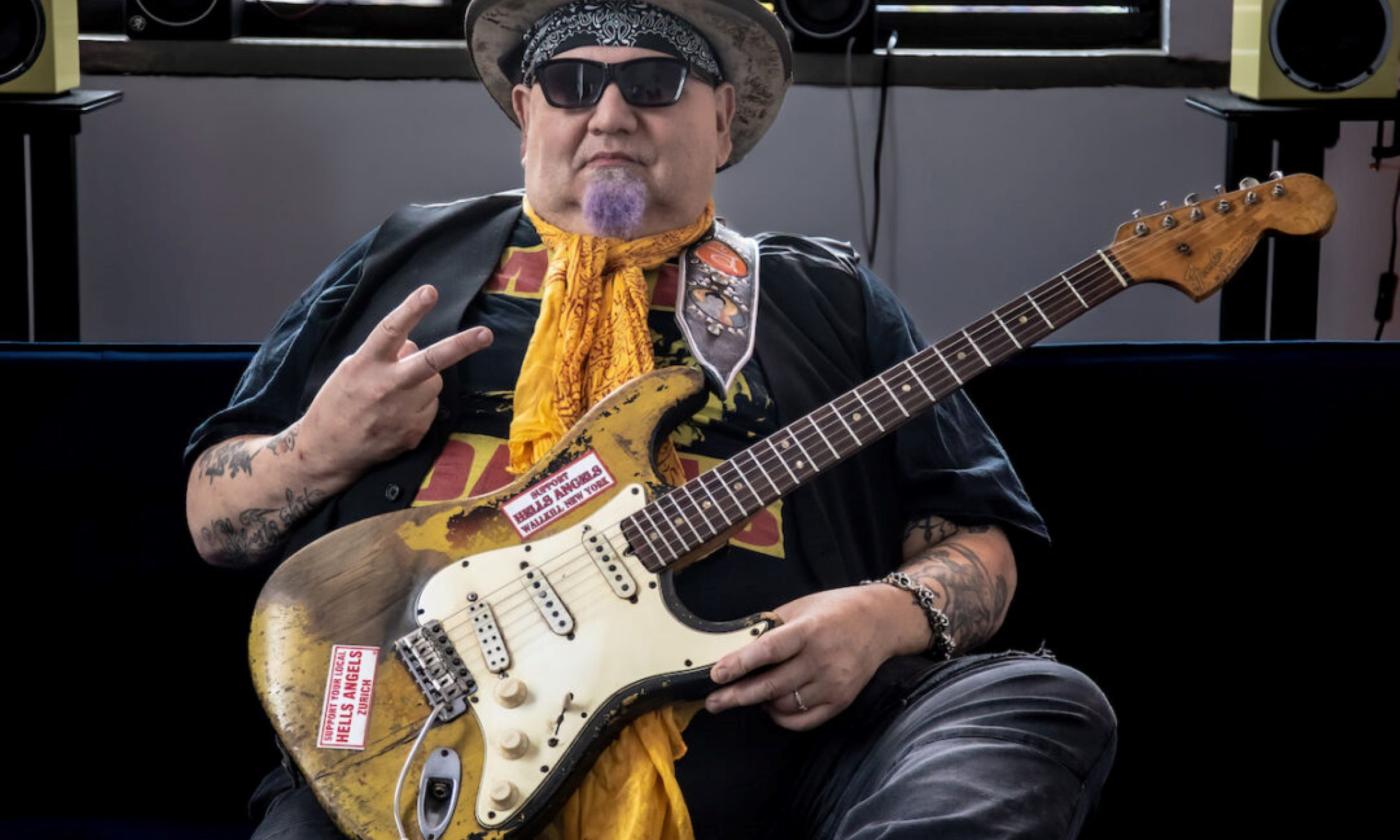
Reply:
x=556, y=495
x=349, y=695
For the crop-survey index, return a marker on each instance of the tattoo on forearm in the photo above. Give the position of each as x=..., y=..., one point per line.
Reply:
x=974, y=599
x=936, y=529
x=227, y=459
x=285, y=442
x=237, y=456
x=259, y=530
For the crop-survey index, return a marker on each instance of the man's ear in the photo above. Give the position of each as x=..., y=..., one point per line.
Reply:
x=725, y=99
x=520, y=102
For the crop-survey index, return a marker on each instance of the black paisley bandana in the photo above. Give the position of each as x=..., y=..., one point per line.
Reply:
x=616, y=23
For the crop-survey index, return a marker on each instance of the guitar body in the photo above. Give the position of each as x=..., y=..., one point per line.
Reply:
x=549, y=687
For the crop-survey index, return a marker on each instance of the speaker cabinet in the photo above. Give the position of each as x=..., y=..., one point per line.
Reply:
x=1315, y=49
x=38, y=46
x=183, y=20
x=826, y=25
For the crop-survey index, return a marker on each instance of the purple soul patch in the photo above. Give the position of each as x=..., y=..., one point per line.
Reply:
x=614, y=202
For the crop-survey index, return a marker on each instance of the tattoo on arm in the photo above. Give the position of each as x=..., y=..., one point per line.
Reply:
x=259, y=531
x=936, y=529
x=974, y=599
x=237, y=456
x=285, y=442
x=226, y=459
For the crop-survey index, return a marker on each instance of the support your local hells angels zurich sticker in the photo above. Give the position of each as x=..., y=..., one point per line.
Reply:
x=349, y=694
x=557, y=494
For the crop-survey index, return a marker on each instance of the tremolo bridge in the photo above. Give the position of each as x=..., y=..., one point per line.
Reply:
x=437, y=668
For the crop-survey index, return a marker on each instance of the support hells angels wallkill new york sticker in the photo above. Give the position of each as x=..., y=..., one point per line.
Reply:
x=556, y=495
x=349, y=694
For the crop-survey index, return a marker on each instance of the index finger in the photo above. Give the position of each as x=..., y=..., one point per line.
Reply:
x=778, y=645
x=389, y=335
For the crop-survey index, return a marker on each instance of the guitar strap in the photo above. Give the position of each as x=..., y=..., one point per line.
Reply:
x=717, y=303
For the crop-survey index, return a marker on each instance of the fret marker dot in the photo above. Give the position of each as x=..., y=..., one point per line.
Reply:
x=785, y=444
x=705, y=505
x=855, y=416
x=800, y=465
x=677, y=520
x=961, y=356
x=1023, y=319
x=655, y=535
x=738, y=485
x=904, y=388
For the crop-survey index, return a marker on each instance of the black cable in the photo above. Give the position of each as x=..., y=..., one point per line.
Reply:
x=880, y=140
x=1385, y=296
x=1394, y=205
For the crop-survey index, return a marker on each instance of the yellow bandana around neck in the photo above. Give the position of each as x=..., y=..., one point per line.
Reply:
x=592, y=336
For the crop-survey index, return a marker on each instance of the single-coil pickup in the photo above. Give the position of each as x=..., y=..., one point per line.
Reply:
x=609, y=562
x=547, y=602
x=488, y=635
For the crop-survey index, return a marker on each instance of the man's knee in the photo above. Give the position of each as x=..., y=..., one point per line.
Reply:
x=1032, y=700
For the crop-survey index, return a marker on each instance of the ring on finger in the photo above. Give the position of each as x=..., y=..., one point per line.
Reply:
x=797, y=698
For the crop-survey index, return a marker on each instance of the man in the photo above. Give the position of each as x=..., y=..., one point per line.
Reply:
x=848, y=720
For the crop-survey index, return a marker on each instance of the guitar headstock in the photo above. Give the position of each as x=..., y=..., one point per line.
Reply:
x=1198, y=246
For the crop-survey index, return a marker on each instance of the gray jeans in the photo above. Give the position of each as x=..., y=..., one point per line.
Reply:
x=990, y=745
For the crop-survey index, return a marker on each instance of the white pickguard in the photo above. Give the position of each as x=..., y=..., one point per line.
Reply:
x=616, y=643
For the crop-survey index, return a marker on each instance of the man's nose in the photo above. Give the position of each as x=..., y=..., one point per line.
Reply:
x=612, y=113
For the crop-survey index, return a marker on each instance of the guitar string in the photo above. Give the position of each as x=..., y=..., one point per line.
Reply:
x=552, y=565
x=1056, y=300
x=507, y=609
x=1095, y=271
x=994, y=339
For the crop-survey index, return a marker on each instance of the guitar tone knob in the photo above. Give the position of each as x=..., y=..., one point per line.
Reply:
x=511, y=692
x=514, y=744
x=502, y=794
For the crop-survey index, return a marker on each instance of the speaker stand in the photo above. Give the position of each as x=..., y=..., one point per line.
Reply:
x=52, y=125
x=1304, y=131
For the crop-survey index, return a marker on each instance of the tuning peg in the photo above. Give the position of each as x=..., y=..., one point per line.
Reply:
x=1137, y=214
x=1219, y=189
x=1249, y=183
x=1165, y=205
x=1275, y=175
x=1192, y=199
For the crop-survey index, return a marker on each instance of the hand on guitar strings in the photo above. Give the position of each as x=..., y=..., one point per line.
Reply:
x=381, y=400
x=826, y=650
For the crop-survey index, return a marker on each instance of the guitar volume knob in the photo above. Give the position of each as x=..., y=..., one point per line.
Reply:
x=502, y=794
x=514, y=743
x=511, y=692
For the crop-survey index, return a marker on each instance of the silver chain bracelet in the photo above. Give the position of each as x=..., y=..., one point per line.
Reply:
x=941, y=645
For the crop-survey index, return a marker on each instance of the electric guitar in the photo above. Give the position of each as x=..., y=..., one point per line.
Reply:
x=452, y=670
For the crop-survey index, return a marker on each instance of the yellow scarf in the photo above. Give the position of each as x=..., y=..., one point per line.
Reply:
x=591, y=337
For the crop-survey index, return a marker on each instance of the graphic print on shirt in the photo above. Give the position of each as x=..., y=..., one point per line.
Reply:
x=475, y=457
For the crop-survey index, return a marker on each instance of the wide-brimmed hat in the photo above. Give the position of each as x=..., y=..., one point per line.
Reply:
x=749, y=41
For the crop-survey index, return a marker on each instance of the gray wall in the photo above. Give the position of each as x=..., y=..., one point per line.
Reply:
x=207, y=204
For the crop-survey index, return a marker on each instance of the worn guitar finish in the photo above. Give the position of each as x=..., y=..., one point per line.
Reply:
x=541, y=618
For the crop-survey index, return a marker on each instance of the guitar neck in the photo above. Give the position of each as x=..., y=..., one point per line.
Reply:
x=677, y=523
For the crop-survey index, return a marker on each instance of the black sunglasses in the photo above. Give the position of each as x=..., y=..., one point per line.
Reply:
x=652, y=82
